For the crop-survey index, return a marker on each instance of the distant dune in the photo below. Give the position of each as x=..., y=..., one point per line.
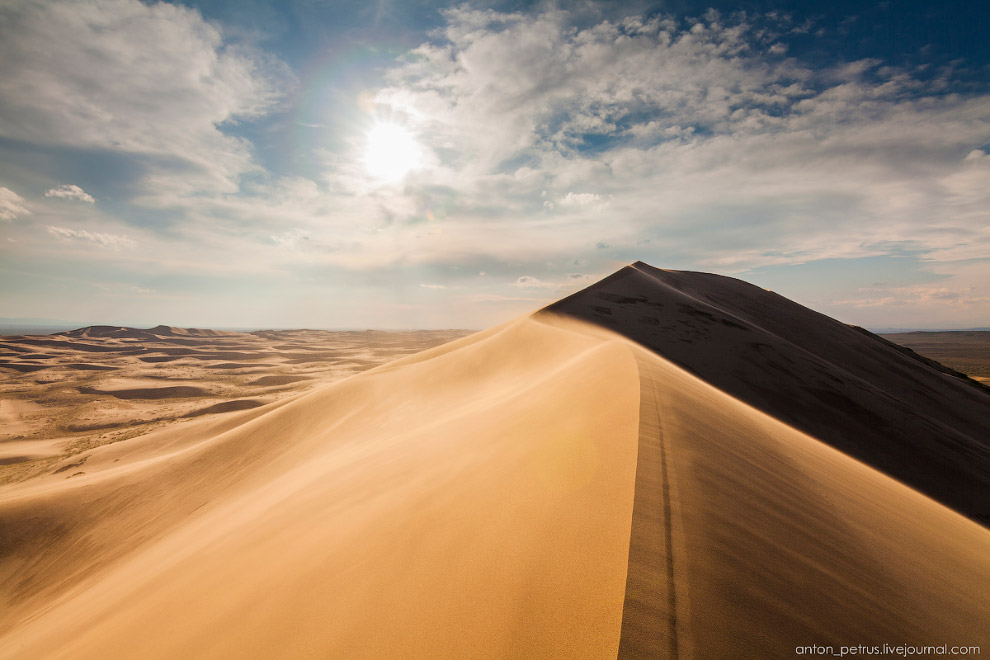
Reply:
x=79, y=389
x=664, y=465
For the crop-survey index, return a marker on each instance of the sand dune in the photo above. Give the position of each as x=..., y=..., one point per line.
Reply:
x=837, y=383
x=103, y=384
x=549, y=488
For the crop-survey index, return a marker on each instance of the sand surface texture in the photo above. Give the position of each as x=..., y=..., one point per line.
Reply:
x=549, y=488
x=63, y=394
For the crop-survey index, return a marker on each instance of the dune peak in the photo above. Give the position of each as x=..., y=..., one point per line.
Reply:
x=912, y=418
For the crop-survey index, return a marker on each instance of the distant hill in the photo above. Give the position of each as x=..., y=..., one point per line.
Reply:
x=966, y=351
x=119, y=332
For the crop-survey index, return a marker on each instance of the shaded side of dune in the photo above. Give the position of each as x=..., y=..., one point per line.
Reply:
x=23, y=367
x=862, y=396
x=267, y=381
x=171, y=392
x=227, y=406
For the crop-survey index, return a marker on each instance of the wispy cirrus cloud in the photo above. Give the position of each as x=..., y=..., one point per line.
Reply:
x=292, y=239
x=571, y=281
x=107, y=241
x=70, y=191
x=123, y=289
x=11, y=204
x=585, y=200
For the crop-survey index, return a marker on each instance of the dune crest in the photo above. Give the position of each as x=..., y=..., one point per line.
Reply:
x=550, y=488
x=840, y=384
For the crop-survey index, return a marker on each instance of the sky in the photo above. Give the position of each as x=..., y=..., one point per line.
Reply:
x=346, y=164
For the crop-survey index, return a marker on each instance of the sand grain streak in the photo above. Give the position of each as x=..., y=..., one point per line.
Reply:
x=649, y=620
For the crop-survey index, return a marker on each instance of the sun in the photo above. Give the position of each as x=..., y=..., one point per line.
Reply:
x=391, y=152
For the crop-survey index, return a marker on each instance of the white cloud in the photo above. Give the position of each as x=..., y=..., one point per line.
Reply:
x=693, y=140
x=433, y=286
x=293, y=239
x=529, y=282
x=70, y=191
x=497, y=298
x=585, y=200
x=571, y=281
x=508, y=83
x=547, y=138
x=151, y=80
x=108, y=241
x=936, y=299
x=638, y=139
x=11, y=204
x=124, y=289
x=959, y=298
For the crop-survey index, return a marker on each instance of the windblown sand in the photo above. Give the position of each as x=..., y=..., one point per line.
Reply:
x=549, y=488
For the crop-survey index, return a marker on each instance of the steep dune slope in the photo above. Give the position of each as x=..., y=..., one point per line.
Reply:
x=844, y=387
x=772, y=540
x=545, y=489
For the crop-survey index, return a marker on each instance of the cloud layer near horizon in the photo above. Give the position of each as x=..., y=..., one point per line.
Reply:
x=553, y=142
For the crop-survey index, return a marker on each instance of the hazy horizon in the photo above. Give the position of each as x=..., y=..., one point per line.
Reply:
x=453, y=165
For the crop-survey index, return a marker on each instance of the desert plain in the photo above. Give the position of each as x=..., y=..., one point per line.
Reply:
x=966, y=351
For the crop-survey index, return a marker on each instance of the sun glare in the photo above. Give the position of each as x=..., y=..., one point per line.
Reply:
x=391, y=152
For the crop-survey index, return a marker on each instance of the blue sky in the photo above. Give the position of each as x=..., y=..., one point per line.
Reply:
x=362, y=164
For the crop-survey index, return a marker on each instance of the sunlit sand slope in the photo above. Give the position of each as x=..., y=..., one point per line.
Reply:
x=545, y=489
x=476, y=504
x=750, y=539
x=848, y=388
